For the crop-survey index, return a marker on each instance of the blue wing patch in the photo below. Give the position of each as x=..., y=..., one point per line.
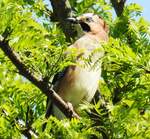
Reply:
x=59, y=76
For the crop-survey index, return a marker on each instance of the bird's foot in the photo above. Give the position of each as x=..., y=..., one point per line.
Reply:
x=70, y=109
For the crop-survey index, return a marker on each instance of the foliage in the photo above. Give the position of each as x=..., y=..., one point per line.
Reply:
x=123, y=111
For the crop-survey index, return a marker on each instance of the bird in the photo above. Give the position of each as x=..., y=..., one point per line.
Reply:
x=78, y=83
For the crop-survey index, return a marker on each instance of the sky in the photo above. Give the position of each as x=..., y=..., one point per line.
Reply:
x=144, y=3
x=146, y=7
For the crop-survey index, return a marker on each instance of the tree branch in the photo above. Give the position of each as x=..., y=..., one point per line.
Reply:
x=23, y=70
x=61, y=11
x=44, y=87
x=118, y=6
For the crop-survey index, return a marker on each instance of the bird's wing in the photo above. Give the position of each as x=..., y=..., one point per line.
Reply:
x=58, y=76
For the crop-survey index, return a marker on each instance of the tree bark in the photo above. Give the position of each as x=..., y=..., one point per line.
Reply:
x=61, y=11
x=40, y=83
x=118, y=6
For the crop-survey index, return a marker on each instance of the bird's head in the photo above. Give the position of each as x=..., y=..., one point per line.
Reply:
x=91, y=23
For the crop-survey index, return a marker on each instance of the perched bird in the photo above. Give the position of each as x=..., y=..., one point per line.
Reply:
x=78, y=83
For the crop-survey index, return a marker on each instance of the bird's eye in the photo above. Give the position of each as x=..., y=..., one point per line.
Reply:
x=89, y=19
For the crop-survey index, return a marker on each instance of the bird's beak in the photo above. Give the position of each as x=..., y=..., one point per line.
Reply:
x=85, y=27
x=73, y=20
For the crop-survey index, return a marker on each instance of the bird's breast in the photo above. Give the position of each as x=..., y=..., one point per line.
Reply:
x=79, y=84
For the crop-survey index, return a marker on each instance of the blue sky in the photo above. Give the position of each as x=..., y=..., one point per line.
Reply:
x=144, y=3
x=146, y=7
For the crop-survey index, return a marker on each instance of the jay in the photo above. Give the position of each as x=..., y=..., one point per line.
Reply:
x=79, y=83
